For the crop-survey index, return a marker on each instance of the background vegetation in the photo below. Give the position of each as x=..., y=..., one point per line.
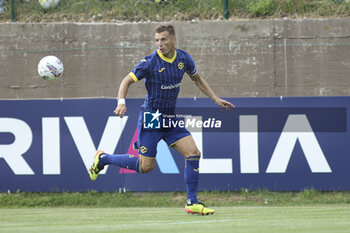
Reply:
x=171, y=199
x=167, y=10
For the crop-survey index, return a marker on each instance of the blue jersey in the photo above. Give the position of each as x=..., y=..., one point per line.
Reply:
x=163, y=78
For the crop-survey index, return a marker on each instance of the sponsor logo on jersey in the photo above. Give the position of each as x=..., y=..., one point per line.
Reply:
x=172, y=86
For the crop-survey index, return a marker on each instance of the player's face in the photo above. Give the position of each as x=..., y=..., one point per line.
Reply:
x=166, y=43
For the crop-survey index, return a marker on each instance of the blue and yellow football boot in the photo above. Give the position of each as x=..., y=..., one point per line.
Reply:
x=95, y=167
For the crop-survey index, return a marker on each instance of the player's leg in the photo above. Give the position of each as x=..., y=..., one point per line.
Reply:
x=128, y=161
x=147, y=147
x=102, y=159
x=140, y=164
x=187, y=147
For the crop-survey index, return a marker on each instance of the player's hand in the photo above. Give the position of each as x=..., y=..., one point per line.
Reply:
x=120, y=110
x=225, y=105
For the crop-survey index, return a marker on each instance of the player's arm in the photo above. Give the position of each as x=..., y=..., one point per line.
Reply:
x=120, y=110
x=206, y=89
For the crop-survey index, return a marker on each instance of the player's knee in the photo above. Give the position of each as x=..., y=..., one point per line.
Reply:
x=147, y=168
x=197, y=153
x=147, y=164
x=194, y=153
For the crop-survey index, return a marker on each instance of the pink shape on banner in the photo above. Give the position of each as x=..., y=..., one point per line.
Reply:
x=131, y=151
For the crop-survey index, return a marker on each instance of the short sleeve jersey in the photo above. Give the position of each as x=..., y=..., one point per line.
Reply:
x=162, y=77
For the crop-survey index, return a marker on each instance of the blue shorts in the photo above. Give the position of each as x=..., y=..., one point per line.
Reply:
x=148, y=139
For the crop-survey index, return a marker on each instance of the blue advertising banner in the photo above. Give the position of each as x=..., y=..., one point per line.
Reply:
x=285, y=144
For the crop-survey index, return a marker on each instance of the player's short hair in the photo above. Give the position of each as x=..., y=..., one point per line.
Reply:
x=166, y=27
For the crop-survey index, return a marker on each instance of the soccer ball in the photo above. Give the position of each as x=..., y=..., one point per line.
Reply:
x=46, y=4
x=50, y=68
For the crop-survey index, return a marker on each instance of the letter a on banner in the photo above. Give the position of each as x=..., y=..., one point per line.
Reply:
x=296, y=128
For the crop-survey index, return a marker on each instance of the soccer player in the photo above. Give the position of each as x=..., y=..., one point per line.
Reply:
x=162, y=71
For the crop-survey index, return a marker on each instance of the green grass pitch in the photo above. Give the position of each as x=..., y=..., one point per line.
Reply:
x=310, y=218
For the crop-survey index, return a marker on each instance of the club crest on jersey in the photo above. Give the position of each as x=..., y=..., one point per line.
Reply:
x=180, y=65
x=143, y=149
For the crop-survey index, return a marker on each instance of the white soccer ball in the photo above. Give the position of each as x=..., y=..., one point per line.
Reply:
x=46, y=4
x=50, y=68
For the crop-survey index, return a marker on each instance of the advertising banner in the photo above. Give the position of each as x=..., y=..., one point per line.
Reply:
x=275, y=143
